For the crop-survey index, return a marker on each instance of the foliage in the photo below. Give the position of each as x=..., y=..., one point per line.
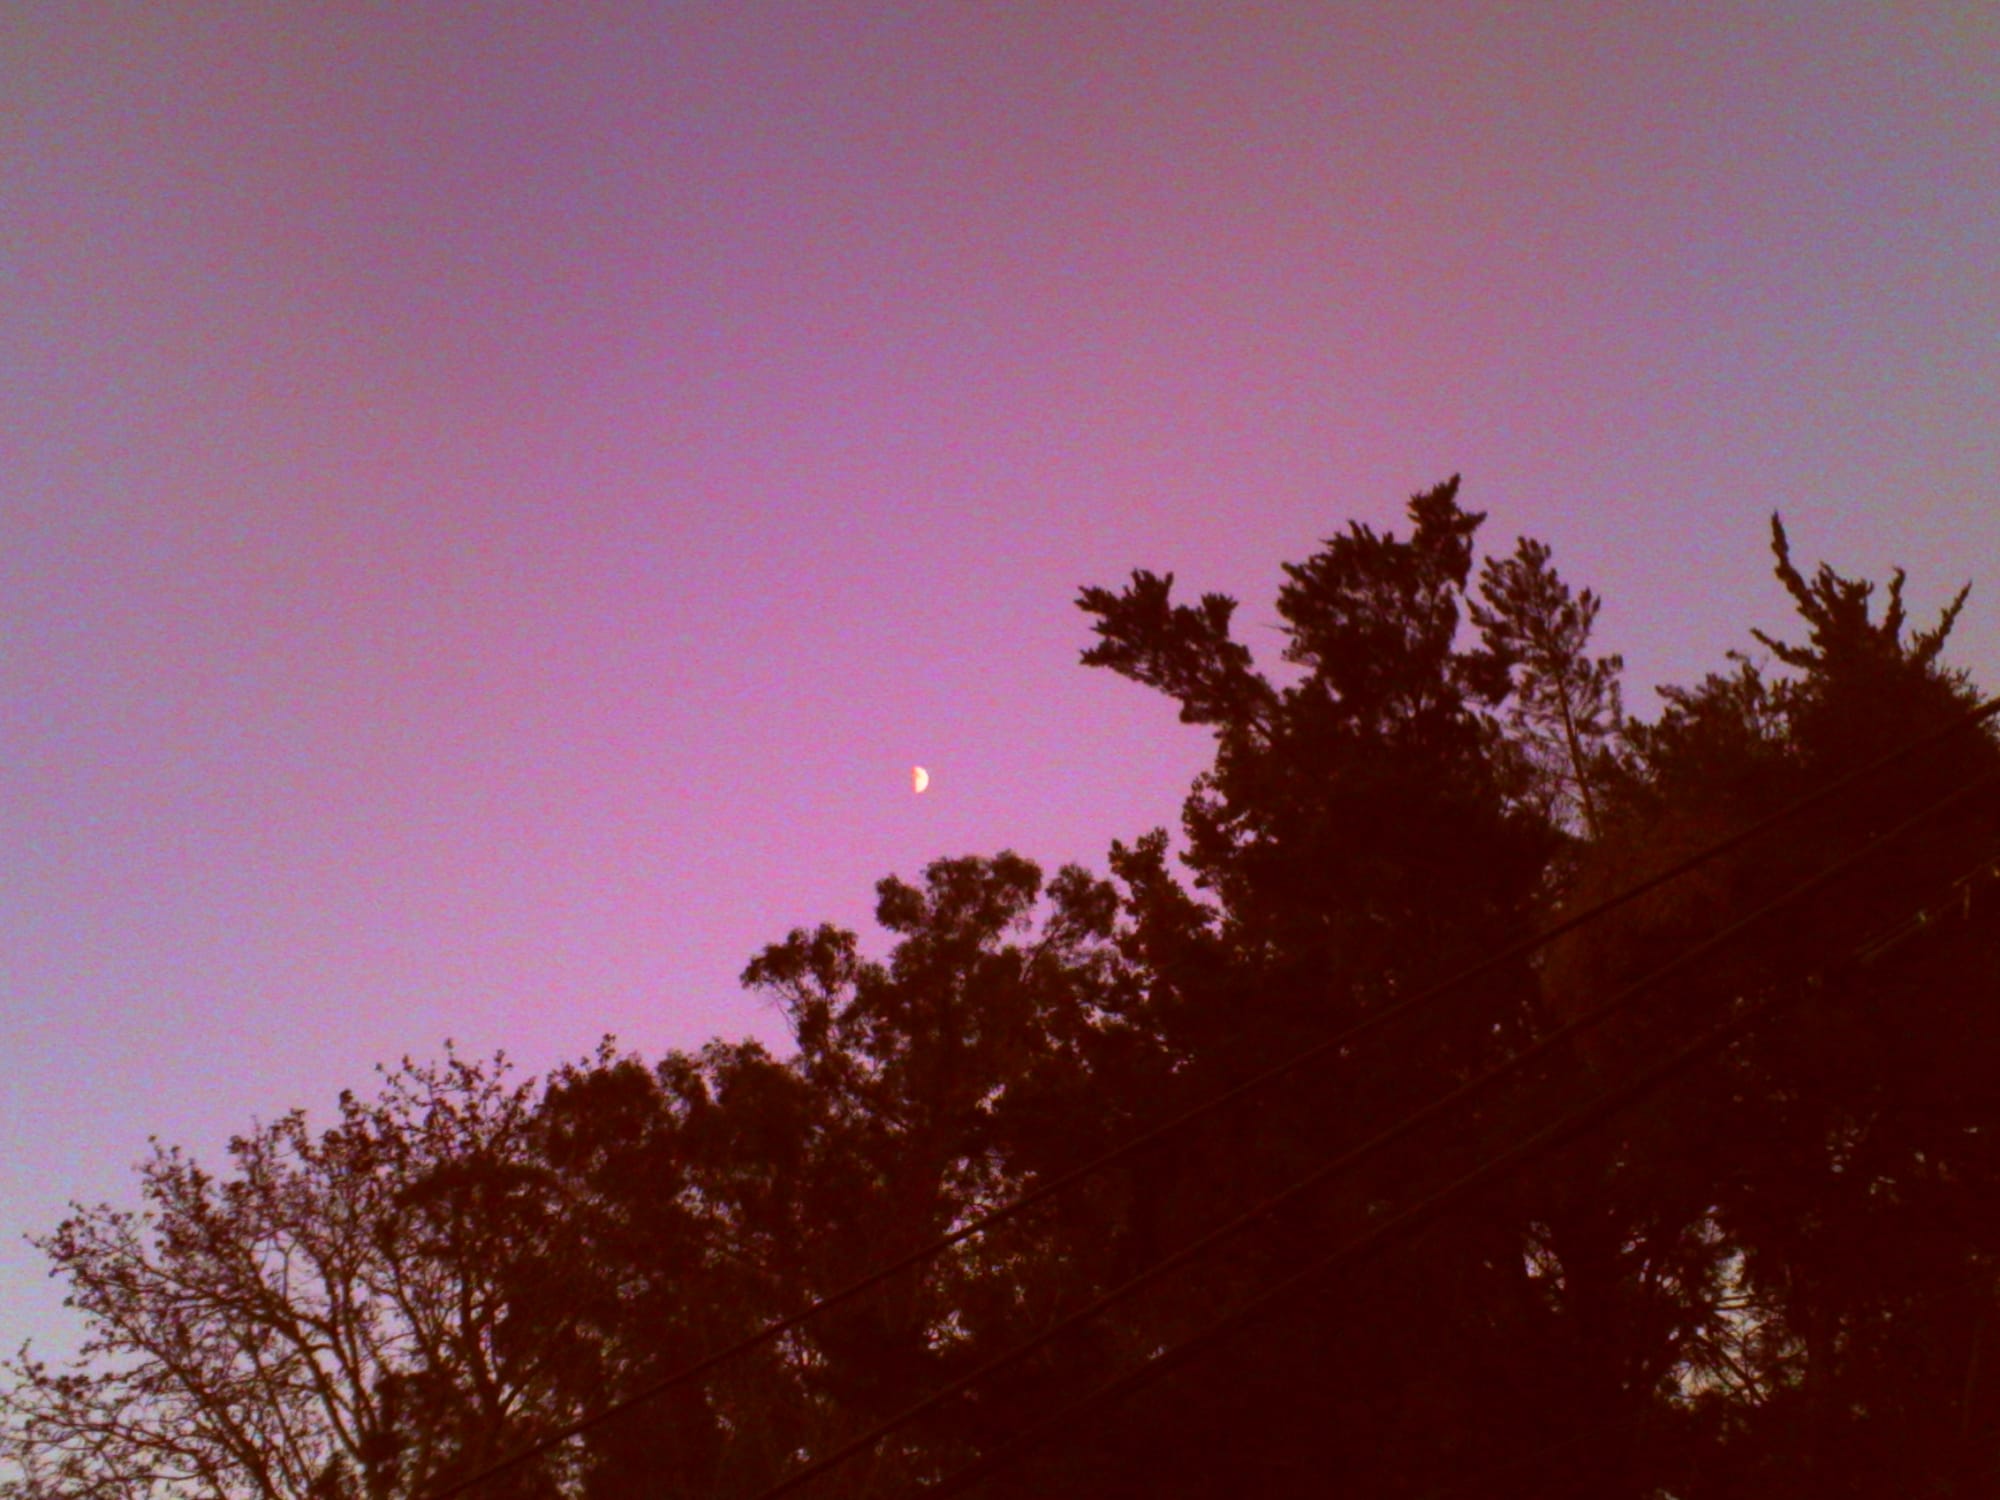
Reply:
x=1774, y=1276
x=326, y=1320
x=1567, y=707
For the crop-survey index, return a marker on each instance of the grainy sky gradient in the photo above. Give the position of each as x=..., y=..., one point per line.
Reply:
x=496, y=498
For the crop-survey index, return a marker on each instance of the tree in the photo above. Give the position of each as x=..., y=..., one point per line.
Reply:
x=1730, y=1288
x=727, y=1190
x=327, y=1320
x=1774, y=1276
x=1849, y=1153
x=1758, y=1252
x=1365, y=829
x=1567, y=708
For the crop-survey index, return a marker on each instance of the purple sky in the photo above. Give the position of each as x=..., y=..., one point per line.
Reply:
x=494, y=507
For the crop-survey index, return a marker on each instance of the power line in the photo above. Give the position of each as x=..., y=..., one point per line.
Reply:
x=1958, y=901
x=1215, y=1103
x=1426, y=1209
x=1529, y=1460
x=1370, y=1147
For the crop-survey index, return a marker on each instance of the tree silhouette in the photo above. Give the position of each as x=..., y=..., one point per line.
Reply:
x=327, y=1320
x=1773, y=1276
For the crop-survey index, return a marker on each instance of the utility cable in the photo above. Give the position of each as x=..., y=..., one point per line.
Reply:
x=1317, y=1052
x=1426, y=1209
x=1356, y=1154
x=1530, y=1460
x=1931, y=917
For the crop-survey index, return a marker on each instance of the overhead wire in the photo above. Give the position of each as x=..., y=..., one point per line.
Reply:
x=1317, y=1178
x=1329, y=1047
x=1958, y=900
x=1421, y=1213
x=1529, y=1460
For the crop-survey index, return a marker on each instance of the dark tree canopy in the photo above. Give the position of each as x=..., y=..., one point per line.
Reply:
x=1773, y=1275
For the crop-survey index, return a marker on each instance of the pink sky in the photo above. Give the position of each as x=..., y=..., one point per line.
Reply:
x=493, y=508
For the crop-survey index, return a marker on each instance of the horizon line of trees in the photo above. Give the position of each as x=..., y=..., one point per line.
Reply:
x=1774, y=1276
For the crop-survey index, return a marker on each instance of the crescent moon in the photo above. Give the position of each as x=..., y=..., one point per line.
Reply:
x=919, y=779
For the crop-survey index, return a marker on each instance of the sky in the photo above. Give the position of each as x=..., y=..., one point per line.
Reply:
x=494, y=500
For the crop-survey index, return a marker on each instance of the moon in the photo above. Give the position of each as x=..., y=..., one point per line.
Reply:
x=919, y=779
